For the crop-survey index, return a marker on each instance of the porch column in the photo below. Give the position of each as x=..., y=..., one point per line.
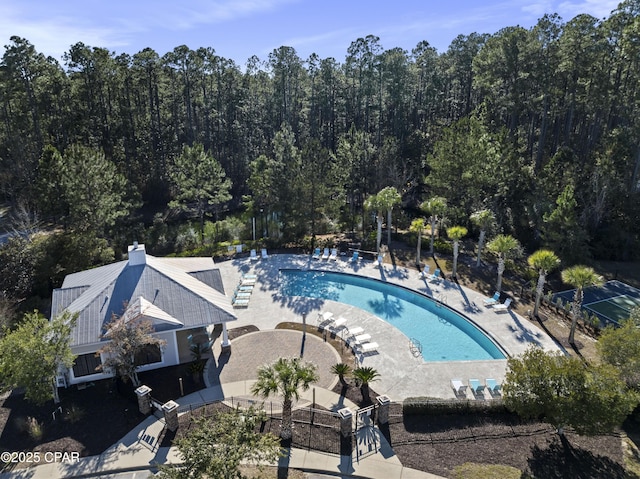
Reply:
x=226, y=344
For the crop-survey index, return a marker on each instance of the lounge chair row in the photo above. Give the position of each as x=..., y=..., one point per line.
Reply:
x=476, y=387
x=242, y=293
x=253, y=256
x=494, y=302
x=325, y=255
x=355, y=336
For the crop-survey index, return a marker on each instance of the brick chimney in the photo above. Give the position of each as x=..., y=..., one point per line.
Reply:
x=137, y=254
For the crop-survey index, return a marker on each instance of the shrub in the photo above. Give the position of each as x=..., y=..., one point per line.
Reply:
x=443, y=247
x=421, y=406
x=75, y=414
x=32, y=427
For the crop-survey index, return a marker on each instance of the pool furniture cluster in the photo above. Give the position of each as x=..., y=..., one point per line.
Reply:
x=253, y=256
x=476, y=387
x=355, y=336
x=242, y=293
x=328, y=255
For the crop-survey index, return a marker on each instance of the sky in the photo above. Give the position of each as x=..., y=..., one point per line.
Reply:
x=238, y=29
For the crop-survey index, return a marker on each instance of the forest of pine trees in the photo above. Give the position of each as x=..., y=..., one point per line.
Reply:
x=541, y=126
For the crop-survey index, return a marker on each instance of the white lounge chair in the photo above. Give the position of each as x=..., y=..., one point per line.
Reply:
x=324, y=319
x=502, y=307
x=253, y=256
x=247, y=281
x=362, y=338
x=354, y=331
x=458, y=387
x=240, y=303
x=246, y=287
x=425, y=272
x=316, y=254
x=369, y=347
x=249, y=276
x=378, y=262
x=263, y=253
x=241, y=294
x=325, y=254
x=334, y=254
x=492, y=300
x=339, y=323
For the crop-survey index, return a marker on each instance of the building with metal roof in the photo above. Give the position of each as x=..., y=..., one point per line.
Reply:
x=182, y=297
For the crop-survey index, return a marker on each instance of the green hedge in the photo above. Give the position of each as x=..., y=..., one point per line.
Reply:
x=421, y=406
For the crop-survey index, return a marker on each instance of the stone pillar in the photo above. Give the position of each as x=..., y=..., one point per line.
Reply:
x=383, y=409
x=226, y=344
x=170, y=410
x=346, y=421
x=144, y=399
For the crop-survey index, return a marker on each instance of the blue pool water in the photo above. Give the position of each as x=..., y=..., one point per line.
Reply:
x=444, y=334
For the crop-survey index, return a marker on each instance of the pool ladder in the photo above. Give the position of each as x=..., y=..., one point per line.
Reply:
x=415, y=347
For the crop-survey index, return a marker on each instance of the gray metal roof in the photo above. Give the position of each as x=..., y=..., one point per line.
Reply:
x=190, y=291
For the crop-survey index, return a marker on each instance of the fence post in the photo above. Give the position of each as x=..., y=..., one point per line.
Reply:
x=170, y=410
x=144, y=399
x=346, y=421
x=383, y=409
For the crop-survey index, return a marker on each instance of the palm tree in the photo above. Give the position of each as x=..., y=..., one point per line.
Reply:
x=363, y=376
x=285, y=377
x=544, y=261
x=417, y=225
x=341, y=370
x=579, y=277
x=483, y=219
x=456, y=233
x=435, y=208
x=505, y=246
x=374, y=203
x=389, y=198
x=383, y=201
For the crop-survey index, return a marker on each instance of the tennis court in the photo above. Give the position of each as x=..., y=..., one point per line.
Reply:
x=611, y=302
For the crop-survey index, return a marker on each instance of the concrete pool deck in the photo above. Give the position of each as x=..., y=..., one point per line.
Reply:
x=401, y=374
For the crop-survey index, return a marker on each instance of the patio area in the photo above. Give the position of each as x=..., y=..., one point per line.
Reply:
x=402, y=374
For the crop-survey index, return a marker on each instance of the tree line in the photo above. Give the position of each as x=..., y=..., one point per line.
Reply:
x=540, y=126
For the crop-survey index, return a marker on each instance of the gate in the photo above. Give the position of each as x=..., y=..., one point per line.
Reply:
x=366, y=435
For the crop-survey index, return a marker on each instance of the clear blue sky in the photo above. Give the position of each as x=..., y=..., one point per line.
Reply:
x=237, y=29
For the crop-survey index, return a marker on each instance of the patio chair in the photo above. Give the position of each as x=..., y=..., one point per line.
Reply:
x=369, y=347
x=324, y=319
x=253, y=256
x=435, y=277
x=502, y=307
x=425, y=272
x=378, y=262
x=316, y=254
x=334, y=254
x=476, y=386
x=493, y=386
x=240, y=303
x=459, y=388
x=263, y=253
x=492, y=300
x=355, y=257
x=325, y=254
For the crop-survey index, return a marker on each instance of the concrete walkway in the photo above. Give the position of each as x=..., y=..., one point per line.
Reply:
x=139, y=451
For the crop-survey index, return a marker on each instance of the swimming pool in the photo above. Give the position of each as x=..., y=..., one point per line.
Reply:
x=444, y=334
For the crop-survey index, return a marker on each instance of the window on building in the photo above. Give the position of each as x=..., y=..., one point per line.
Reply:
x=150, y=354
x=86, y=364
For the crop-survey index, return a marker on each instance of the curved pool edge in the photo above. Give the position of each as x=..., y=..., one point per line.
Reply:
x=439, y=303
